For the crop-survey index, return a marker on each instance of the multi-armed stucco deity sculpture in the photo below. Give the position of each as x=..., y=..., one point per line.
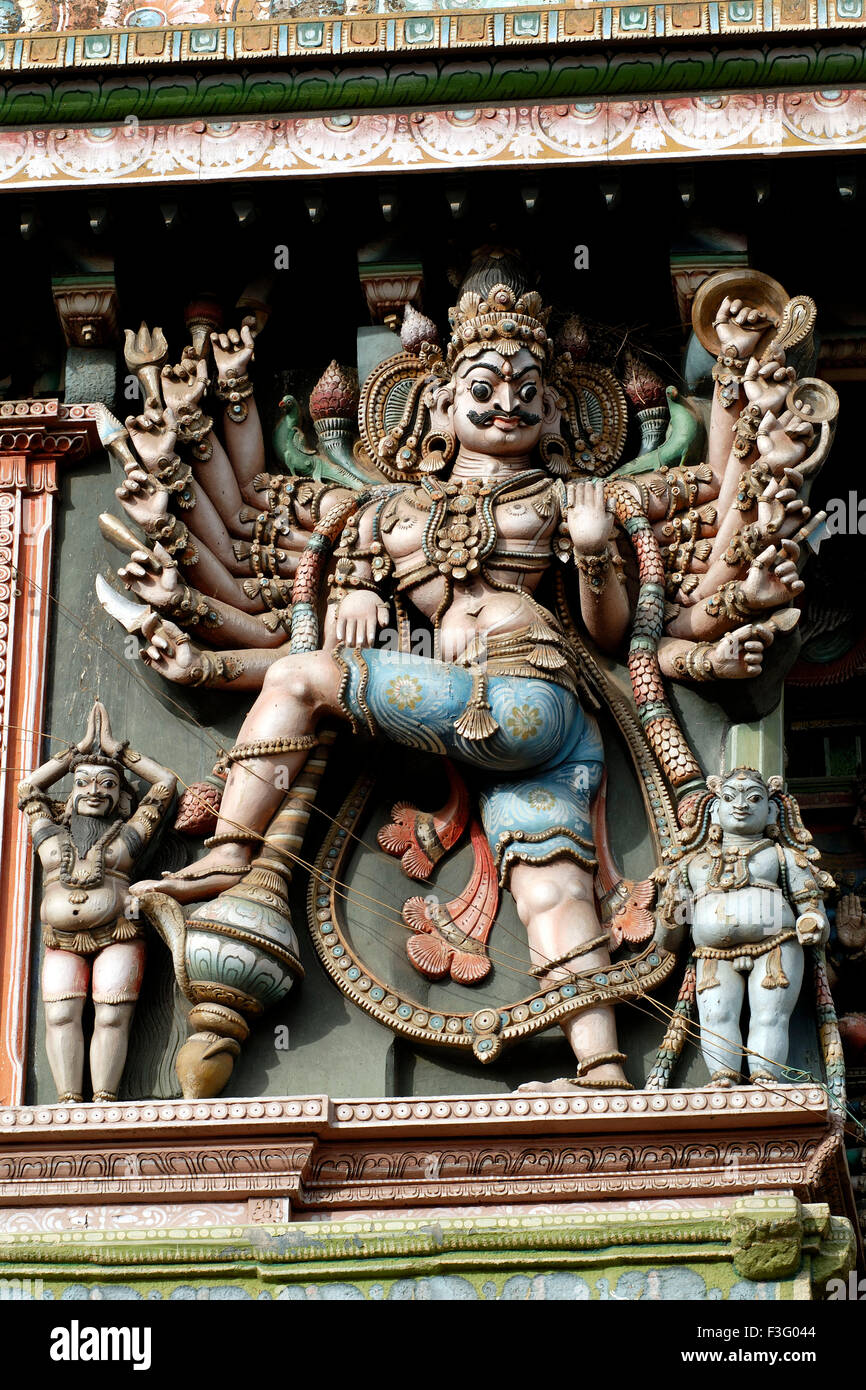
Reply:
x=486, y=510
x=89, y=846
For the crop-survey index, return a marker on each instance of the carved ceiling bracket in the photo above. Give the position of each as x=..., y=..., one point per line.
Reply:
x=389, y=289
x=87, y=309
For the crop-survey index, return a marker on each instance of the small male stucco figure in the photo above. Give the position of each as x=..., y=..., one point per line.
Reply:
x=88, y=847
x=754, y=896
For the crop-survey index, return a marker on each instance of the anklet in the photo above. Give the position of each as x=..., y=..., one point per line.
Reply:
x=241, y=838
x=597, y=1059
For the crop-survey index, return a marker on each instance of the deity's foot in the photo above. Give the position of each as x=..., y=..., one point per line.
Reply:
x=764, y=1078
x=205, y=879
x=723, y=1080
x=607, y=1076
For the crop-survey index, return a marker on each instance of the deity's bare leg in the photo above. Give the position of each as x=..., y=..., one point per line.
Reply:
x=771, y=1011
x=719, y=1010
x=298, y=691
x=65, y=984
x=556, y=904
x=117, y=976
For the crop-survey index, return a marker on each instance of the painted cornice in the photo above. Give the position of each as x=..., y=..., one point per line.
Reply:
x=433, y=79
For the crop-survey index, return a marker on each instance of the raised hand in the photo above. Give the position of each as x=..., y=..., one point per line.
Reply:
x=141, y=498
x=782, y=440
x=91, y=733
x=590, y=525
x=234, y=351
x=781, y=511
x=184, y=385
x=154, y=576
x=169, y=651
x=767, y=386
x=851, y=923
x=359, y=617
x=739, y=327
x=772, y=579
x=154, y=434
x=112, y=746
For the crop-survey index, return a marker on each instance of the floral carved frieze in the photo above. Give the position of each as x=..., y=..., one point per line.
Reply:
x=587, y=132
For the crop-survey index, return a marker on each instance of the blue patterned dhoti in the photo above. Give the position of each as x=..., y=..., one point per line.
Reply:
x=543, y=734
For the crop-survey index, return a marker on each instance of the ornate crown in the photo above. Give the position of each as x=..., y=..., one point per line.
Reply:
x=498, y=319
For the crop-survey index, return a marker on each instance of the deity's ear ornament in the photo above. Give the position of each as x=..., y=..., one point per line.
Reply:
x=556, y=455
x=437, y=451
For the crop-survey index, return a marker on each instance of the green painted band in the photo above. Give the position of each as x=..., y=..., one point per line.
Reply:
x=116, y=95
x=658, y=709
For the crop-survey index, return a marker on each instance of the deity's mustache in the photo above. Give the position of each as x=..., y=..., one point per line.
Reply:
x=483, y=418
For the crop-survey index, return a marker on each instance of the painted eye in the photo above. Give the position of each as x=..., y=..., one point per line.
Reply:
x=528, y=392
x=482, y=390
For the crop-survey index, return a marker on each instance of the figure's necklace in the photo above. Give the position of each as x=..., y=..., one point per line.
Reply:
x=460, y=529
x=729, y=867
x=91, y=872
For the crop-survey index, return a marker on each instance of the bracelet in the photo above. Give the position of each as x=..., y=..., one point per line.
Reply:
x=727, y=374
x=175, y=476
x=213, y=666
x=234, y=388
x=698, y=662
x=728, y=602
x=193, y=427
x=191, y=604
x=354, y=581
x=173, y=536
x=746, y=431
x=684, y=483
x=32, y=802
x=596, y=568
x=752, y=484
x=744, y=546
x=235, y=392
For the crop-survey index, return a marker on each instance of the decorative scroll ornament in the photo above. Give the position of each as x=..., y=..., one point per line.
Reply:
x=595, y=414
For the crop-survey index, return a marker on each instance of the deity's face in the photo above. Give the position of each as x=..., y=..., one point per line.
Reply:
x=95, y=790
x=498, y=408
x=744, y=806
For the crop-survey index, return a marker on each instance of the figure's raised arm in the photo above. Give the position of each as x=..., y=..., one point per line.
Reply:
x=603, y=599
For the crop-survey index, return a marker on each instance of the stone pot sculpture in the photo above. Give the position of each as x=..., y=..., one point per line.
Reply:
x=233, y=958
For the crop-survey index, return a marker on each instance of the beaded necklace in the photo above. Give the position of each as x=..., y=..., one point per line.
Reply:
x=729, y=867
x=461, y=530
